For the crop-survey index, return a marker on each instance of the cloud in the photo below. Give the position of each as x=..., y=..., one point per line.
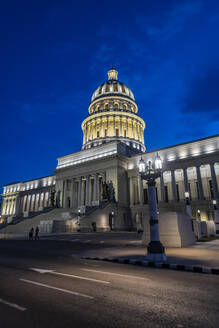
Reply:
x=43, y=108
x=167, y=23
x=203, y=95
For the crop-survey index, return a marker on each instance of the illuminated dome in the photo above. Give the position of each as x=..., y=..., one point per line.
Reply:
x=112, y=86
x=113, y=116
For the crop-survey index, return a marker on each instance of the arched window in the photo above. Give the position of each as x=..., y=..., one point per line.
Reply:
x=106, y=106
x=116, y=105
x=125, y=106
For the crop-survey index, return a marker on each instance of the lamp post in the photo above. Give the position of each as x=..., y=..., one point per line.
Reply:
x=188, y=205
x=79, y=220
x=216, y=216
x=155, y=249
x=199, y=215
x=112, y=216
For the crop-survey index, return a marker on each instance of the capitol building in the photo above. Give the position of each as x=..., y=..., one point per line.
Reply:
x=102, y=181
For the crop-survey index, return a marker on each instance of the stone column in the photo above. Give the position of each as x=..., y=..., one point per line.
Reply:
x=95, y=187
x=140, y=184
x=28, y=203
x=114, y=126
x=107, y=123
x=72, y=193
x=162, y=188
x=87, y=191
x=79, y=191
x=83, y=192
x=214, y=181
x=173, y=183
x=95, y=129
x=133, y=135
x=127, y=128
x=101, y=128
x=64, y=193
x=90, y=191
x=185, y=176
x=34, y=203
x=199, y=179
x=120, y=126
x=131, y=191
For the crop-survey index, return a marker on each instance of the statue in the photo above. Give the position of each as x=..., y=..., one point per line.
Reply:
x=108, y=191
x=105, y=191
x=58, y=199
x=52, y=198
x=111, y=192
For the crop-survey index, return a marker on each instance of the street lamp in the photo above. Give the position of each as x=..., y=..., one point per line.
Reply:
x=150, y=172
x=188, y=206
x=216, y=216
x=199, y=215
x=79, y=220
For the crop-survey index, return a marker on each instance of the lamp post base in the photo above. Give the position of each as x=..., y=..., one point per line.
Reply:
x=156, y=252
x=156, y=257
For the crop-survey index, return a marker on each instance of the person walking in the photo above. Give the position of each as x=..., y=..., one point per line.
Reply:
x=37, y=233
x=31, y=234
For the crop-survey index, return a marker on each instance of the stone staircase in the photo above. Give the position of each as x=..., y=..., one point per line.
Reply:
x=24, y=226
x=57, y=220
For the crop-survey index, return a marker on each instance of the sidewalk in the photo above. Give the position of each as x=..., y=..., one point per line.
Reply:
x=202, y=255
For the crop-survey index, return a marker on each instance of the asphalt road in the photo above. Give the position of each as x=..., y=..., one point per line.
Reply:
x=73, y=292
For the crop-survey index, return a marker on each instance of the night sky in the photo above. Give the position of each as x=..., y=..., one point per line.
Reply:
x=54, y=54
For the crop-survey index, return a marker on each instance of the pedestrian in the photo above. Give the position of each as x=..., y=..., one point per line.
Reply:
x=31, y=234
x=37, y=233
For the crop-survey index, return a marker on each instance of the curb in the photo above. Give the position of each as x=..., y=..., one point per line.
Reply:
x=160, y=265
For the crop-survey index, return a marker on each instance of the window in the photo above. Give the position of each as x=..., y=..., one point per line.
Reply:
x=116, y=105
x=125, y=133
x=117, y=132
x=105, y=132
x=98, y=134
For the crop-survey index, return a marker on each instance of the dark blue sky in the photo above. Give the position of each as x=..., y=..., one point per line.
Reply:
x=54, y=54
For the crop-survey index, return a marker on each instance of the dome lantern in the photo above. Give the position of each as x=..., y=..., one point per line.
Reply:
x=112, y=74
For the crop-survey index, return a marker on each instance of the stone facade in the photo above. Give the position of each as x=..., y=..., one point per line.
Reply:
x=113, y=145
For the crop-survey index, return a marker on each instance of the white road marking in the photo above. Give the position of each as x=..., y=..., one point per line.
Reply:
x=86, y=241
x=18, y=307
x=75, y=240
x=56, y=288
x=68, y=275
x=92, y=265
x=102, y=242
x=115, y=274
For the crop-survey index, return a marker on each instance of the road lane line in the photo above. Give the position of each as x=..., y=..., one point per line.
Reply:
x=116, y=274
x=68, y=275
x=79, y=277
x=18, y=307
x=86, y=241
x=56, y=288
